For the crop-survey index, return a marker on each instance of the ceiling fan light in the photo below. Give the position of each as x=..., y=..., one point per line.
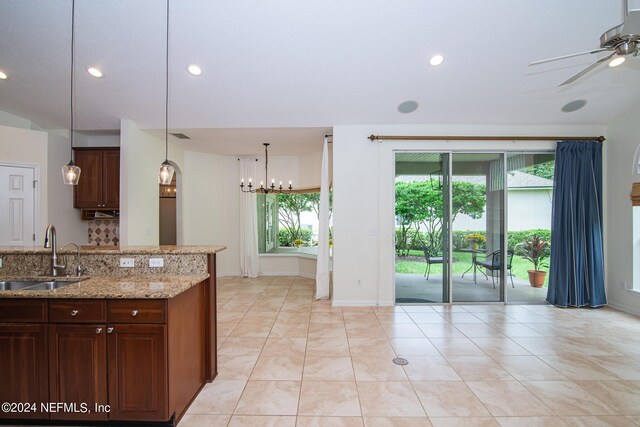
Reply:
x=617, y=61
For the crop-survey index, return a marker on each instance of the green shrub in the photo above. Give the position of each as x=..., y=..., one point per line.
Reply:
x=516, y=237
x=286, y=239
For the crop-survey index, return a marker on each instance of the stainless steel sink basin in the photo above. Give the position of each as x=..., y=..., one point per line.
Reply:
x=33, y=285
x=47, y=286
x=14, y=285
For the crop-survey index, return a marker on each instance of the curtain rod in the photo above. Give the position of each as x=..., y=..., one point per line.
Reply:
x=485, y=138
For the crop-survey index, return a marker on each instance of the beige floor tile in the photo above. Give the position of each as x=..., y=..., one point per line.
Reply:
x=624, y=367
x=389, y=399
x=327, y=317
x=288, y=316
x=204, y=420
x=407, y=347
x=440, y=330
x=394, y=317
x=456, y=318
x=432, y=368
x=576, y=367
x=601, y=421
x=289, y=329
x=464, y=422
x=278, y=368
x=623, y=396
x=261, y=421
x=376, y=368
x=327, y=330
x=241, y=346
x=499, y=346
x=310, y=421
x=508, y=398
x=364, y=330
x=567, y=398
x=516, y=330
x=528, y=368
x=531, y=421
x=478, y=330
x=248, y=329
x=369, y=346
x=454, y=347
x=425, y=308
x=449, y=399
x=275, y=346
x=397, y=422
x=327, y=347
x=269, y=398
x=338, y=399
x=478, y=368
x=235, y=367
x=428, y=318
x=402, y=330
x=328, y=369
x=224, y=329
x=218, y=397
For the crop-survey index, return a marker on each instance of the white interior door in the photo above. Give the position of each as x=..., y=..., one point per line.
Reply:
x=17, y=206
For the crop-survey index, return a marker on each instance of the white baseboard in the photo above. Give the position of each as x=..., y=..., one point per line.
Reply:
x=625, y=308
x=229, y=274
x=362, y=303
x=288, y=273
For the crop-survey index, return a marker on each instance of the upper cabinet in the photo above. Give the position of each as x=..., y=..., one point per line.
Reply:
x=99, y=185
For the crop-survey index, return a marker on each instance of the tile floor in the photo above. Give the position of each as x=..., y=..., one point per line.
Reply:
x=285, y=360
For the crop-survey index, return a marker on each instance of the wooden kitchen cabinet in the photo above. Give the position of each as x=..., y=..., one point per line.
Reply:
x=99, y=184
x=23, y=367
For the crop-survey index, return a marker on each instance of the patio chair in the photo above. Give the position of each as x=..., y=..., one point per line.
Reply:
x=430, y=260
x=491, y=262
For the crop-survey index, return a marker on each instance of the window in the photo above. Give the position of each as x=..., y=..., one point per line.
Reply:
x=288, y=223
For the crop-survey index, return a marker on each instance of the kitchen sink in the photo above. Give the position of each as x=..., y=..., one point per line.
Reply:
x=33, y=285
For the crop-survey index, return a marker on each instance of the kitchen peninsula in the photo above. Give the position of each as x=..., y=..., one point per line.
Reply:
x=133, y=339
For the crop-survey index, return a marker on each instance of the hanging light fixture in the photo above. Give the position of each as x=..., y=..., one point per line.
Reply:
x=263, y=188
x=165, y=173
x=71, y=172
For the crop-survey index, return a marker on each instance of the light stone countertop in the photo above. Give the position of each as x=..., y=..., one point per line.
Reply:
x=112, y=287
x=141, y=250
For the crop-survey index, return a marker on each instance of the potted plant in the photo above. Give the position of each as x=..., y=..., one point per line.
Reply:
x=535, y=250
x=475, y=239
x=298, y=242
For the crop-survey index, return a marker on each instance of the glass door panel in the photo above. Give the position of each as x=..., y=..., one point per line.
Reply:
x=477, y=224
x=422, y=230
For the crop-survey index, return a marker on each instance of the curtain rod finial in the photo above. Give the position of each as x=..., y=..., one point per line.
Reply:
x=373, y=137
x=602, y=139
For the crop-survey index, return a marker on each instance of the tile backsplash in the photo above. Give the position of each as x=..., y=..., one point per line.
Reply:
x=104, y=232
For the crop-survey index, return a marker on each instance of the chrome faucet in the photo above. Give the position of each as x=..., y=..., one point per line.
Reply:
x=79, y=267
x=50, y=242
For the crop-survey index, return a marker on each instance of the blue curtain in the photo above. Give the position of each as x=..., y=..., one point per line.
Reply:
x=576, y=275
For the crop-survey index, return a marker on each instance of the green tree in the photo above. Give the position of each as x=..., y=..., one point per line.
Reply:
x=543, y=170
x=290, y=207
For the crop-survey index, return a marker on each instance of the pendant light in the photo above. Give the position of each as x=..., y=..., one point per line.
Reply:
x=71, y=172
x=165, y=173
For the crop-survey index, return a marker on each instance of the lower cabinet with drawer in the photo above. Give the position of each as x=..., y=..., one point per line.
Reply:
x=108, y=360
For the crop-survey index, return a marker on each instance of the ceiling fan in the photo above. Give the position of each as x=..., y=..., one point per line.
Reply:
x=621, y=40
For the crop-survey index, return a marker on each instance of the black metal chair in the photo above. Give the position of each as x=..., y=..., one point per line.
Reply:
x=491, y=262
x=431, y=260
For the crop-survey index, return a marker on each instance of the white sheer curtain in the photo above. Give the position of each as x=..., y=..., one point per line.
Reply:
x=322, y=269
x=249, y=262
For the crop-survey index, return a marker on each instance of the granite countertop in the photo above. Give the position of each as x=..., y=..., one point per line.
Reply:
x=142, y=250
x=112, y=287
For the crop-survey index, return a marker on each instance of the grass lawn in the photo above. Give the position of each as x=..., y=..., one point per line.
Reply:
x=519, y=265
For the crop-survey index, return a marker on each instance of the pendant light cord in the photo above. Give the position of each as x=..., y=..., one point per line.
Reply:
x=166, y=100
x=73, y=15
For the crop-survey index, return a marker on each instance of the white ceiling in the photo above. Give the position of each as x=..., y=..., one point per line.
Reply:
x=314, y=63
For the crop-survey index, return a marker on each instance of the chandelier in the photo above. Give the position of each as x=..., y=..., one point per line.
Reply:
x=265, y=189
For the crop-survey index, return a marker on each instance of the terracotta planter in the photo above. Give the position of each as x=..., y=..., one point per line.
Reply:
x=536, y=278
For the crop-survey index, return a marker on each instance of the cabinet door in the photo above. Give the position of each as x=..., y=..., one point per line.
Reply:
x=138, y=372
x=111, y=179
x=78, y=370
x=23, y=367
x=88, y=192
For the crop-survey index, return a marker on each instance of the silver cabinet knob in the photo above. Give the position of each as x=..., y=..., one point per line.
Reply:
x=74, y=313
x=134, y=313
x=109, y=330
x=98, y=330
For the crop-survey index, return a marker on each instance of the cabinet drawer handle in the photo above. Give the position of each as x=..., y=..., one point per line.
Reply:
x=134, y=313
x=109, y=330
x=98, y=330
x=74, y=313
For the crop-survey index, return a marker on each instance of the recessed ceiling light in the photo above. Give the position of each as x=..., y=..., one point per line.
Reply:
x=572, y=106
x=617, y=61
x=94, y=72
x=436, y=60
x=194, y=69
x=3, y=75
x=407, y=107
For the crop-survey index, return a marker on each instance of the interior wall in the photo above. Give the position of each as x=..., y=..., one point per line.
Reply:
x=363, y=204
x=622, y=145
x=29, y=147
x=140, y=158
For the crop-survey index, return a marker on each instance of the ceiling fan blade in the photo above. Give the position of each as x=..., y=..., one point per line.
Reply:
x=589, y=68
x=566, y=56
